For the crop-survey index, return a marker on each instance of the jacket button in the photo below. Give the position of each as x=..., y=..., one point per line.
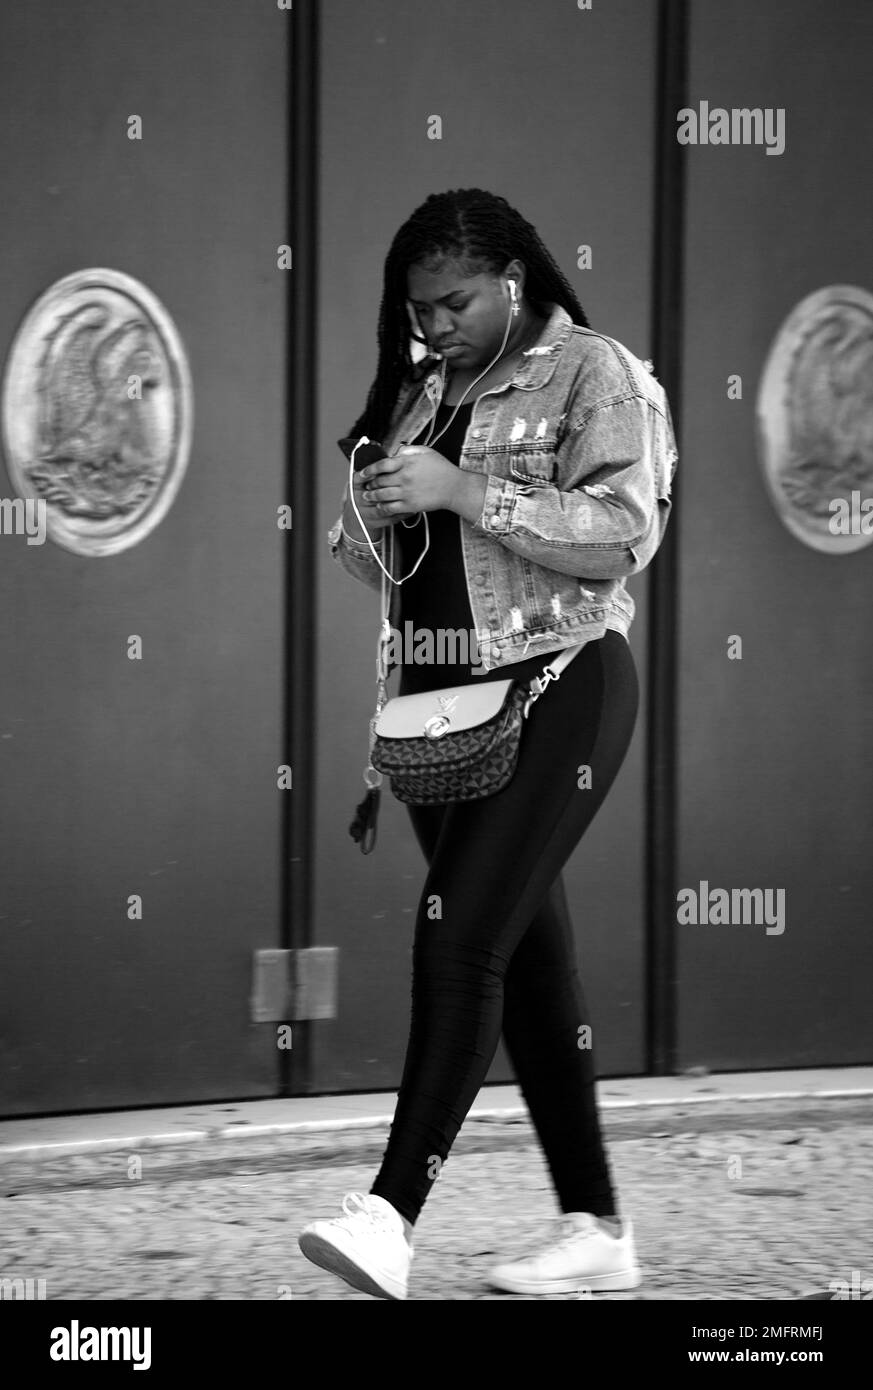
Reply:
x=480, y=579
x=495, y=520
x=476, y=433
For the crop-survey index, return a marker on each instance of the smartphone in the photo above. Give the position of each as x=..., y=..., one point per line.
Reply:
x=368, y=453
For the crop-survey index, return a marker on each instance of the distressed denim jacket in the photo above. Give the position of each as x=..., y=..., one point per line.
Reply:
x=579, y=455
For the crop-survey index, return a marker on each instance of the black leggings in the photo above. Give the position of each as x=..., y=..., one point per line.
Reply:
x=494, y=947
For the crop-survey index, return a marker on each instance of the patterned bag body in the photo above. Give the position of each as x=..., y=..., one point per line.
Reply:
x=455, y=744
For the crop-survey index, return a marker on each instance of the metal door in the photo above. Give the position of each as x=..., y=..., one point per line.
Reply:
x=577, y=161
x=154, y=778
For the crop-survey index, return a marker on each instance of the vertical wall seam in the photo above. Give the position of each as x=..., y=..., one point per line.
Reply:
x=662, y=666
x=298, y=805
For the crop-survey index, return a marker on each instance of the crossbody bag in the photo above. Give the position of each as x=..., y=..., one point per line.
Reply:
x=458, y=743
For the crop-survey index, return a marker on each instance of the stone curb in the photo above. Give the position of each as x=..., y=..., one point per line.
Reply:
x=633, y=1118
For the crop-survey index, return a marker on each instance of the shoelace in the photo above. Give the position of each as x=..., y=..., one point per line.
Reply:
x=360, y=1205
x=571, y=1235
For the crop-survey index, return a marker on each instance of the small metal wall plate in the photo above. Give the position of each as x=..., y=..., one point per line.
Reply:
x=294, y=985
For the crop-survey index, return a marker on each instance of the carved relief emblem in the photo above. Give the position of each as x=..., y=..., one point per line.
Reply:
x=815, y=420
x=97, y=411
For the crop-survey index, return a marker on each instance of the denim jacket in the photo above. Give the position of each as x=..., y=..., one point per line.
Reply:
x=579, y=455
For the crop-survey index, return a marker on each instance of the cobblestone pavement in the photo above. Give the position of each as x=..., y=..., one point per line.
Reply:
x=746, y=1206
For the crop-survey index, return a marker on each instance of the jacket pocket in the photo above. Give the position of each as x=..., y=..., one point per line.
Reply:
x=534, y=462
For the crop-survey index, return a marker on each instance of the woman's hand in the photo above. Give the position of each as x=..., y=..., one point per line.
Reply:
x=415, y=479
x=375, y=518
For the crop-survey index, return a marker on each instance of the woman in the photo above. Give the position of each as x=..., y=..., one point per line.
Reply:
x=550, y=486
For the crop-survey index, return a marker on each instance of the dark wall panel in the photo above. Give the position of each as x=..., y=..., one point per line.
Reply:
x=154, y=777
x=774, y=749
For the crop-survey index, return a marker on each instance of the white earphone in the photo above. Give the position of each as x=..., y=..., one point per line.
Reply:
x=515, y=305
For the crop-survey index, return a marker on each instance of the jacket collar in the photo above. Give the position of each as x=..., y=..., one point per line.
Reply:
x=538, y=362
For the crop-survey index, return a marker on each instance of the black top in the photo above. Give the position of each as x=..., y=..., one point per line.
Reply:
x=436, y=597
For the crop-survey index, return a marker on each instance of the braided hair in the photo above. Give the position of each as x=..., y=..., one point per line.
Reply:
x=482, y=231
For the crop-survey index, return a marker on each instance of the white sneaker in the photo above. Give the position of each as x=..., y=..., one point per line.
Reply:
x=583, y=1259
x=367, y=1247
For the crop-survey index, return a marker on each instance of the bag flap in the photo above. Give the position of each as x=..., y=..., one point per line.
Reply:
x=464, y=707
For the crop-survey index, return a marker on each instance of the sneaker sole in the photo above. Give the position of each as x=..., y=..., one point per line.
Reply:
x=596, y=1283
x=321, y=1251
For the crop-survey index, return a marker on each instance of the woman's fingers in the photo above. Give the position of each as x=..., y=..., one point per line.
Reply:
x=382, y=490
x=384, y=465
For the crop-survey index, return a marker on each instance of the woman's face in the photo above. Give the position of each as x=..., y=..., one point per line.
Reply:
x=452, y=307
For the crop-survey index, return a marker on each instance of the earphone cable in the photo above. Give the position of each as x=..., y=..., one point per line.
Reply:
x=432, y=439
x=428, y=443
x=364, y=440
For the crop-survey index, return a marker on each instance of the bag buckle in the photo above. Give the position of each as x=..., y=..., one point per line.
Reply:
x=537, y=686
x=436, y=726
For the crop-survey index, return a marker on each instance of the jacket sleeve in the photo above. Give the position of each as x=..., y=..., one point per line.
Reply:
x=355, y=556
x=607, y=518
